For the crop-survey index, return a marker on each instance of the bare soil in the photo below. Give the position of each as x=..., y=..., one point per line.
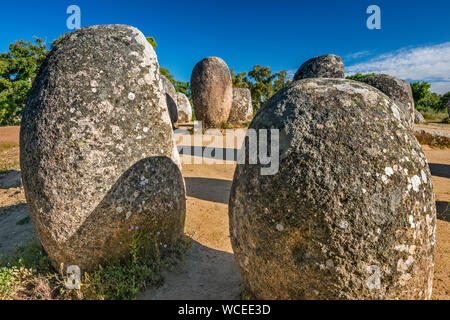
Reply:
x=209, y=270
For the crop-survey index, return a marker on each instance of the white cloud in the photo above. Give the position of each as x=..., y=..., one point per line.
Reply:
x=358, y=54
x=427, y=63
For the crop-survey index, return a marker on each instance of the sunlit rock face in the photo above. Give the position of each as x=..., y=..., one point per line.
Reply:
x=98, y=158
x=350, y=213
x=212, y=91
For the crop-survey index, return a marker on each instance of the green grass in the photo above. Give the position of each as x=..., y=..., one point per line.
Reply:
x=9, y=157
x=29, y=274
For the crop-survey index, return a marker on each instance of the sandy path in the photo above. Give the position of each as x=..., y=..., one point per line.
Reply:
x=209, y=270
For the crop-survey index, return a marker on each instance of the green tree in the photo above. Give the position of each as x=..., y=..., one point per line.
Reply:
x=18, y=69
x=420, y=90
x=359, y=76
x=263, y=84
x=152, y=41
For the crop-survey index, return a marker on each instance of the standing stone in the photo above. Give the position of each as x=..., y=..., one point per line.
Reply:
x=184, y=108
x=448, y=107
x=97, y=152
x=326, y=66
x=397, y=89
x=241, y=108
x=171, y=98
x=351, y=212
x=212, y=92
x=418, y=117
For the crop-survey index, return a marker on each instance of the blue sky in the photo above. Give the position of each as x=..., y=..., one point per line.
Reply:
x=413, y=43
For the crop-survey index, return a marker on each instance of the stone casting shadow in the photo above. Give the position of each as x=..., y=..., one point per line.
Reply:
x=440, y=170
x=215, y=190
x=150, y=190
x=205, y=274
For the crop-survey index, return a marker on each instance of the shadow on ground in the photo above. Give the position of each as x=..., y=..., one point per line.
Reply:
x=205, y=274
x=10, y=179
x=215, y=190
x=440, y=170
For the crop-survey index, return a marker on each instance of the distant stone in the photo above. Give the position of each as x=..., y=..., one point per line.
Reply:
x=97, y=153
x=326, y=66
x=448, y=107
x=171, y=98
x=212, y=92
x=418, y=117
x=184, y=108
x=397, y=89
x=351, y=212
x=241, y=108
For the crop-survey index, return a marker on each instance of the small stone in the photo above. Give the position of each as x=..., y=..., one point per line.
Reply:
x=171, y=98
x=184, y=108
x=326, y=66
x=241, y=108
x=418, y=117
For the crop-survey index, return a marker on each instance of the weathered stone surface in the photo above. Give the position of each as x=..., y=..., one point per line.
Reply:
x=184, y=108
x=212, y=92
x=418, y=117
x=397, y=89
x=98, y=156
x=171, y=98
x=353, y=198
x=326, y=66
x=241, y=108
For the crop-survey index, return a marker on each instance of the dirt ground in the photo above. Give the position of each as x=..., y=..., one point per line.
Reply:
x=209, y=270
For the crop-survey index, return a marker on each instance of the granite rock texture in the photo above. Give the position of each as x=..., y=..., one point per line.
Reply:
x=351, y=212
x=184, y=108
x=97, y=153
x=397, y=89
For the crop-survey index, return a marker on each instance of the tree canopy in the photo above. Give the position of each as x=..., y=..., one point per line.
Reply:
x=263, y=84
x=18, y=69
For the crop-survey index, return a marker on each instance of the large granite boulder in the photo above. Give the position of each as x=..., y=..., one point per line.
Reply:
x=326, y=66
x=171, y=98
x=97, y=152
x=241, y=108
x=351, y=212
x=397, y=89
x=184, y=108
x=418, y=117
x=212, y=92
